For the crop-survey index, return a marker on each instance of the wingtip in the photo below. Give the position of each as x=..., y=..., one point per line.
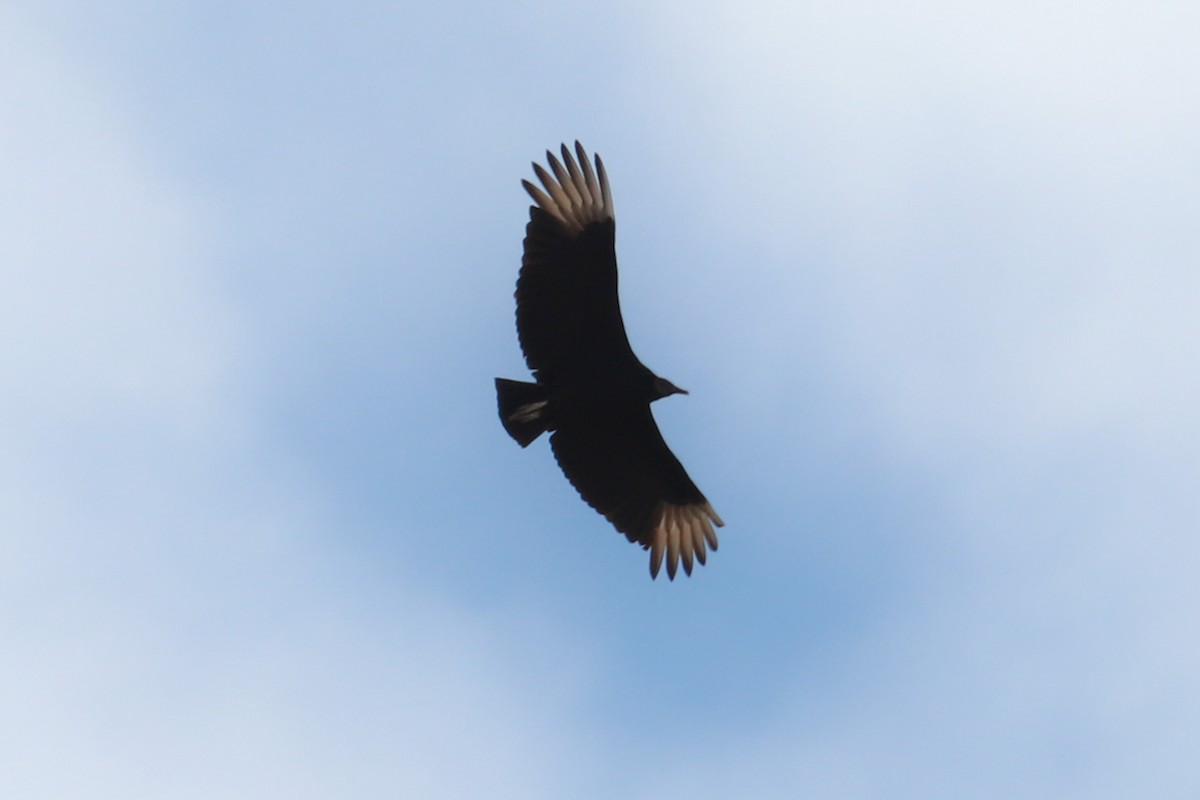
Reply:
x=681, y=535
x=656, y=556
x=605, y=190
x=575, y=193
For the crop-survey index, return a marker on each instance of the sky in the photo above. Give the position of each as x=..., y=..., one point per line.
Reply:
x=929, y=273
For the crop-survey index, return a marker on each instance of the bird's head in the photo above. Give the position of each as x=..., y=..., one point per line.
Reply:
x=663, y=387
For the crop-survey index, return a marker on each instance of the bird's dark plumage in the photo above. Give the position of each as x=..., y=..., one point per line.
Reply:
x=592, y=392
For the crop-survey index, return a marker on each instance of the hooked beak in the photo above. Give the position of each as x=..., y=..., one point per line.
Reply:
x=664, y=388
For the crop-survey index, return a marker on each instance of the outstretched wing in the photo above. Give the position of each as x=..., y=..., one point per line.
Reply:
x=622, y=467
x=568, y=315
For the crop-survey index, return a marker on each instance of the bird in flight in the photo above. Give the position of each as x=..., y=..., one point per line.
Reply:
x=591, y=391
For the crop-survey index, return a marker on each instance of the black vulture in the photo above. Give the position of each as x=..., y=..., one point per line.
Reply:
x=592, y=392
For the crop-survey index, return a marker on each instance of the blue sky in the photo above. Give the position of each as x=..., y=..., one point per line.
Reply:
x=929, y=274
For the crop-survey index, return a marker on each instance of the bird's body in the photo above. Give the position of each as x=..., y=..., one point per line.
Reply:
x=592, y=392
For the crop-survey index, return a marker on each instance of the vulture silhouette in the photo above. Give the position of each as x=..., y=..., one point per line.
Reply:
x=591, y=391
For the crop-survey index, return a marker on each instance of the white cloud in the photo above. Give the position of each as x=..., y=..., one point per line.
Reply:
x=985, y=225
x=977, y=215
x=989, y=203
x=175, y=615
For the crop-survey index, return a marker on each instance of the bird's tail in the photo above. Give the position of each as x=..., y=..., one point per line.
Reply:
x=523, y=409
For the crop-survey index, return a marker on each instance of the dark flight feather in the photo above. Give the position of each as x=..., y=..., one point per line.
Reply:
x=592, y=392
